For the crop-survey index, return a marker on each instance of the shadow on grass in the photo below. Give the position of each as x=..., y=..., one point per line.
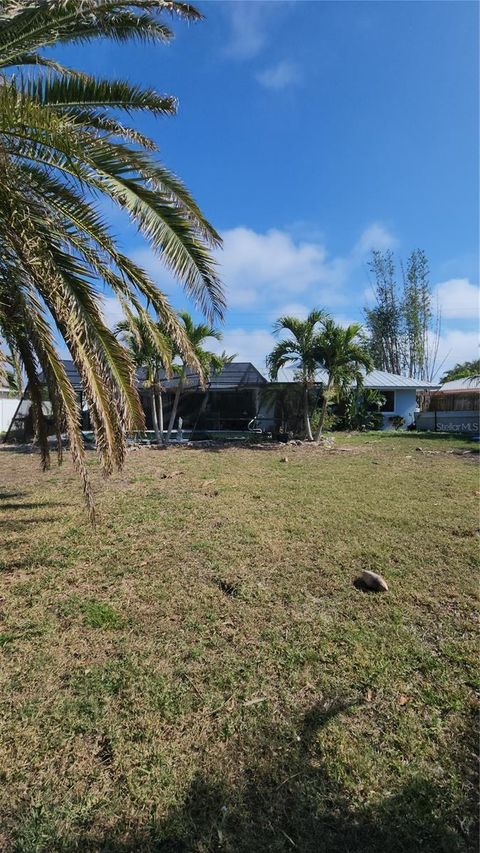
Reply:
x=219, y=446
x=13, y=524
x=285, y=801
x=31, y=505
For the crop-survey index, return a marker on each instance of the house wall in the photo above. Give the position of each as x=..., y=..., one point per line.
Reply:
x=8, y=407
x=405, y=405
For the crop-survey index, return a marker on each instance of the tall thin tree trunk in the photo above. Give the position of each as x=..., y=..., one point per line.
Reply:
x=306, y=415
x=154, y=418
x=323, y=412
x=158, y=408
x=160, y=415
x=204, y=404
x=175, y=405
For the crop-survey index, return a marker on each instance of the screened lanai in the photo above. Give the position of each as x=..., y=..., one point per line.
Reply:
x=229, y=400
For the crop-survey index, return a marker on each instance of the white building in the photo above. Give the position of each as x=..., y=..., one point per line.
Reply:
x=8, y=406
x=400, y=394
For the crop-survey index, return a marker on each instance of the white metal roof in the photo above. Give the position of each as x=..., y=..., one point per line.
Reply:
x=382, y=380
x=469, y=383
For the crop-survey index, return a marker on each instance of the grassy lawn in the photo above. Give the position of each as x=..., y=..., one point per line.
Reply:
x=201, y=674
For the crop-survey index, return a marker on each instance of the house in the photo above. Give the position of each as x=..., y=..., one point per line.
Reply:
x=400, y=393
x=234, y=400
x=454, y=407
x=230, y=400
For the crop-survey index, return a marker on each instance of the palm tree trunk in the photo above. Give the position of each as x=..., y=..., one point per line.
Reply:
x=204, y=404
x=175, y=405
x=323, y=412
x=160, y=415
x=306, y=415
x=155, y=419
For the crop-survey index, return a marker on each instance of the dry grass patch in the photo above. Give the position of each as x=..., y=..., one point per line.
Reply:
x=200, y=674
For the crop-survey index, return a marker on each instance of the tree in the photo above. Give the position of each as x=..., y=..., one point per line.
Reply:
x=150, y=349
x=227, y=358
x=422, y=323
x=385, y=322
x=206, y=361
x=62, y=145
x=343, y=355
x=404, y=325
x=465, y=370
x=298, y=351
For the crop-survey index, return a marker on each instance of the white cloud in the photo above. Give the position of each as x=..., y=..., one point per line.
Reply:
x=248, y=22
x=267, y=274
x=112, y=311
x=251, y=346
x=458, y=298
x=290, y=309
x=376, y=236
x=456, y=346
x=280, y=76
x=345, y=319
x=273, y=269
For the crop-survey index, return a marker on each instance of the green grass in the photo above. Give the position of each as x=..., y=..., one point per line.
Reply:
x=200, y=672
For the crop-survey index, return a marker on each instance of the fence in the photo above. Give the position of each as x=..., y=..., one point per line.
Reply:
x=461, y=422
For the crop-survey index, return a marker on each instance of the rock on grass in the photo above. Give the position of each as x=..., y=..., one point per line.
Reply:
x=374, y=581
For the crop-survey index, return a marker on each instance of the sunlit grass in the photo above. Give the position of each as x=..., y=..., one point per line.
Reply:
x=200, y=673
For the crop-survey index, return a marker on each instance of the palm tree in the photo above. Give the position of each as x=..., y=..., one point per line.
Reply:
x=206, y=361
x=11, y=370
x=465, y=370
x=342, y=353
x=298, y=351
x=153, y=352
x=63, y=144
x=227, y=358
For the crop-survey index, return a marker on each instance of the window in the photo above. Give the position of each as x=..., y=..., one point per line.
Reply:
x=389, y=405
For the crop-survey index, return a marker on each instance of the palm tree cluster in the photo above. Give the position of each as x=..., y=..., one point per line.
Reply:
x=319, y=343
x=160, y=358
x=63, y=147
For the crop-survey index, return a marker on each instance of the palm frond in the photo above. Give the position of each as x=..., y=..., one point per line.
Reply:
x=63, y=147
x=67, y=92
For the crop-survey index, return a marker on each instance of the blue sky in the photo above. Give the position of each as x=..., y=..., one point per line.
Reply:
x=311, y=132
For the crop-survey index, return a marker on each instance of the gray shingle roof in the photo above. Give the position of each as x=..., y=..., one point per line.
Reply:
x=238, y=374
